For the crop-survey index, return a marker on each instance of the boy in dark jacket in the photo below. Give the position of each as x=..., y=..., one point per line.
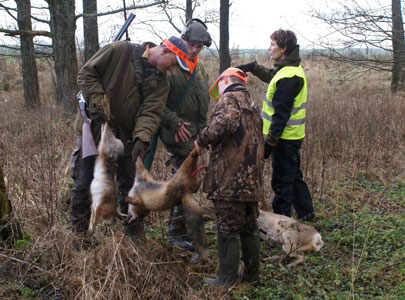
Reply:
x=234, y=177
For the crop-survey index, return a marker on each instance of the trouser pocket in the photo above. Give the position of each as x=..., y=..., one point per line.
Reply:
x=74, y=164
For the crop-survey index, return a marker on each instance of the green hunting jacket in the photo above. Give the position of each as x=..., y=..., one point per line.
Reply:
x=193, y=109
x=99, y=76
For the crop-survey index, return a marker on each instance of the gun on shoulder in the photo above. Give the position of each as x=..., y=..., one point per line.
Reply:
x=89, y=147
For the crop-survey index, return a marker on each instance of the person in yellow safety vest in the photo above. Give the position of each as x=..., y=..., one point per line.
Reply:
x=283, y=113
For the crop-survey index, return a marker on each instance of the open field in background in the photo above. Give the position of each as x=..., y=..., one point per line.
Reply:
x=353, y=160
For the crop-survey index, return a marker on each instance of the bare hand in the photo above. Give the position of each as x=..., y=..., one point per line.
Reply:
x=182, y=134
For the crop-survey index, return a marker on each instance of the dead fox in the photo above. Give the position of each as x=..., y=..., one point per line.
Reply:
x=148, y=195
x=294, y=236
x=103, y=188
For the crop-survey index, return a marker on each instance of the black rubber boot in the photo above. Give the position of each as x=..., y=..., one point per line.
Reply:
x=228, y=255
x=177, y=233
x=250, y=243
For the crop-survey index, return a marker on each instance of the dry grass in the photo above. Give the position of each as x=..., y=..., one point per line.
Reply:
x=353, y=127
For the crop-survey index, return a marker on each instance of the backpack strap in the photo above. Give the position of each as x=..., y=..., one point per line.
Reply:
x=179, y=99
x=139, y=68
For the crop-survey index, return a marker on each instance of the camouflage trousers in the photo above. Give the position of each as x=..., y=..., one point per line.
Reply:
x=236, y=216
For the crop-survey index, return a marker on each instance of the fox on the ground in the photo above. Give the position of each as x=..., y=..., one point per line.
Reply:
x=294, y=236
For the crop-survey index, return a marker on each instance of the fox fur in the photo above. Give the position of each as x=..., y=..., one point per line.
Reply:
x=148, y=195
x=294, y=236
x=103, y=188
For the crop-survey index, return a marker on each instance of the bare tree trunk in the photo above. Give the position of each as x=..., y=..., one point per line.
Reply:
x=224, y=57
x=63, y=27
x=5, y=206
x=398, y=47
x=29, y=65
x=189, y=10
x=90, y=28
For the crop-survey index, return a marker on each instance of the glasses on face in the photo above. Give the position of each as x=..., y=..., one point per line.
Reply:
x=195, y=45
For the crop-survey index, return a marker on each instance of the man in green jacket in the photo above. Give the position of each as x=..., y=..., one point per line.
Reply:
x=134, y=79
x=185, y=116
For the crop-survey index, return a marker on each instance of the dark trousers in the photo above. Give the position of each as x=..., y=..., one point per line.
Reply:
x=288, y=182
x=82, y=174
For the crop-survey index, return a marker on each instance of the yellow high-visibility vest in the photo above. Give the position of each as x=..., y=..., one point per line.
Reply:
x=295, y=127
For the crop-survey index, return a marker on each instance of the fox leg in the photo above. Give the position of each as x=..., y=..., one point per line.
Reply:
x=195, y=223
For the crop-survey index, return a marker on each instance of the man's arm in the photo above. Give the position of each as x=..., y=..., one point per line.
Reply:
x=155, y=95
x=89, y=80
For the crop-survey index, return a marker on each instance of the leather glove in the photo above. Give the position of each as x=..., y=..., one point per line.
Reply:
x=97, y=114
x=247, y=67
x=272, y=140
x=267, y=150
x=140, y=148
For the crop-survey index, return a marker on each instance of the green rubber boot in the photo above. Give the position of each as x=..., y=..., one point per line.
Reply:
x=251, y=255
x=228, y=255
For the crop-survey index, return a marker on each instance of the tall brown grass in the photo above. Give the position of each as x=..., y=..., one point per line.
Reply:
x=352, y=127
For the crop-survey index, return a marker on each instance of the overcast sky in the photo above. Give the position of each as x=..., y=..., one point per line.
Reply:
x=251, y=21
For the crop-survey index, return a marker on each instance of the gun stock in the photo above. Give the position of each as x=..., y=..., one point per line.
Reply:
x=89, y=148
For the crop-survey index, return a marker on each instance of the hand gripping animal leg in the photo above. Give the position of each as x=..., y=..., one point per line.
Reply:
x=149, y=195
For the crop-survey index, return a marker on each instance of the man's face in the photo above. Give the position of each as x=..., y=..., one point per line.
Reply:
x=194, y=48
x=166, y=61
x=276, y=53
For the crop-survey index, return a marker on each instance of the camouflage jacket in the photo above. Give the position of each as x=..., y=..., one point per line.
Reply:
x=99, y=76
x=192, y=108
x=235, y=170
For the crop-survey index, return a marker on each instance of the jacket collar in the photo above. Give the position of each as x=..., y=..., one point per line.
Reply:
x=292, y=59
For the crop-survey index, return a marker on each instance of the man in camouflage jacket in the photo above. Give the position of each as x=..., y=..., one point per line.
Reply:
x=234, y=177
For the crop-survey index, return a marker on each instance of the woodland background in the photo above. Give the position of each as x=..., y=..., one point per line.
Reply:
x=352, y=159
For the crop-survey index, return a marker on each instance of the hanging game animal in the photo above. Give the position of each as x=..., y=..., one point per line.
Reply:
x=103, y=188
x=148, y=195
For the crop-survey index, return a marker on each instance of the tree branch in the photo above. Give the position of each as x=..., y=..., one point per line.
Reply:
x=131, y=7
x=9, y=32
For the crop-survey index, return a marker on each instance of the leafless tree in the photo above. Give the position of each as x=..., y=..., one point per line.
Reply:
x=90, y=28
x=224, y=56
x=367, y=36
x=29, y=65
x=62, y=25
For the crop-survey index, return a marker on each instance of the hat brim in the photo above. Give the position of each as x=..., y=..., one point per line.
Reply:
x=214, y=89
x=183, y=64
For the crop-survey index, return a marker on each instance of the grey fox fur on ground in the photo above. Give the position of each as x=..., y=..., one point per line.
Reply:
x=149, y=195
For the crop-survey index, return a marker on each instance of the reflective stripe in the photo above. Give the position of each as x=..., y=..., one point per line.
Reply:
x=268, y=102
x=296, y=122
x=266, y=116
x=289, y=122
x=296, y=109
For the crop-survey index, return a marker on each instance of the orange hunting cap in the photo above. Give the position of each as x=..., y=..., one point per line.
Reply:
x=179, y=48
x=228, y=72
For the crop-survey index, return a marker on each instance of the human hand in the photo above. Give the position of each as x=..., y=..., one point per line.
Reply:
x=272, y=140
x=182, y=134
x=140, y=148
x=198, y=148
x=247, y=67
x=97, y=114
